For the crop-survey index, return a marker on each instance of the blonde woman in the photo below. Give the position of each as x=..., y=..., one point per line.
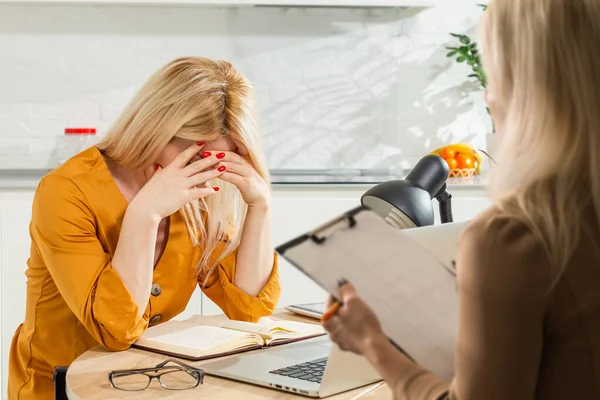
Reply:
x=176, y=195
x=528, y=268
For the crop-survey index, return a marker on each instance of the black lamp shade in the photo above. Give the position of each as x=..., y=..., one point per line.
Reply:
x=414, y=202
x=407, y=203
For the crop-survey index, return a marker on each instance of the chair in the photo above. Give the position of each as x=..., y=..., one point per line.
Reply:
x=60, y=383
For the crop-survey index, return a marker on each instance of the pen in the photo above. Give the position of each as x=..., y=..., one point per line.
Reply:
x=336, y=305
x=329, y=313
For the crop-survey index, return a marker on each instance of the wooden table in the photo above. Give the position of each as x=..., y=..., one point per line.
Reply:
x=87, y=378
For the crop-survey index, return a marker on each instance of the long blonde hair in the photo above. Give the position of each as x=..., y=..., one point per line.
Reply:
x=197, y=99
x=543, y=63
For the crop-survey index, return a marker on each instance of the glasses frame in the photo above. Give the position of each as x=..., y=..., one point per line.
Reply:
x=160, y=370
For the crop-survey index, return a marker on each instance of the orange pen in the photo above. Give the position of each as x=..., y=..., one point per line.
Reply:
x=329, y=313
x=335, y=306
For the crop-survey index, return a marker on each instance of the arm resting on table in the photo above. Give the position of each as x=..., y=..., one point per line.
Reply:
x=234, y=302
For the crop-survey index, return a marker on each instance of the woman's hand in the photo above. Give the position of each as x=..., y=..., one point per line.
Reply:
x=177, y=184
x=355, y=326
x=242, y=174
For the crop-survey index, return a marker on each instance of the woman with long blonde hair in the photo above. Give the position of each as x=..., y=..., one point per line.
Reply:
x=528, y=269
x=176, y=195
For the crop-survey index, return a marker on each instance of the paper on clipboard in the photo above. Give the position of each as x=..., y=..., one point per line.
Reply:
x=412, y=291
x=439, y=240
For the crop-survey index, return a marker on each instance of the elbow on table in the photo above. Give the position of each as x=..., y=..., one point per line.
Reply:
x=120, y=336
x=250, y=309
x=114, y=345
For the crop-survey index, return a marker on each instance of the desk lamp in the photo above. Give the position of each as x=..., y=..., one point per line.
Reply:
x=407, y=203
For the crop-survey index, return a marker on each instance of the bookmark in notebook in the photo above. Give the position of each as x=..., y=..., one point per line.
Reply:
x=411, y=291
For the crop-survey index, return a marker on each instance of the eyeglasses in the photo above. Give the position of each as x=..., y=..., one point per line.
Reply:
x=172, y=377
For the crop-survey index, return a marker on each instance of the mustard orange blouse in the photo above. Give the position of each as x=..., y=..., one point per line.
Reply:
x=75, y=300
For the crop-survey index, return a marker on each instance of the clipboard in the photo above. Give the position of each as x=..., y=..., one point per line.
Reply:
x=412, y=292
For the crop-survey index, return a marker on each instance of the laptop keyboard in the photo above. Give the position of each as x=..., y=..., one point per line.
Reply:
x=311, y=371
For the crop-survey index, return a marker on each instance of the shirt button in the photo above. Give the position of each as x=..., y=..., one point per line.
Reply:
x=156, y=290
x=155, y=319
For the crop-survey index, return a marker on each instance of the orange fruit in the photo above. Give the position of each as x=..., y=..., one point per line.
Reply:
x=447, y=153
x=464, y=161
x=452, y=163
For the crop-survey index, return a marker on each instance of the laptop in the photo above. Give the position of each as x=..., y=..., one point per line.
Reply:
x=313, y=368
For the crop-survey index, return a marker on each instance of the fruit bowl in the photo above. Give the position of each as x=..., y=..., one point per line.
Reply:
x=463, y=159
x=462, y=172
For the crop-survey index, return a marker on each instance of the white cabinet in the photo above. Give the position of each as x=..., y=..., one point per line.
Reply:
x=15, y=211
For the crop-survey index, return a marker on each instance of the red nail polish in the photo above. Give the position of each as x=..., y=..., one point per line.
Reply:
x=200, y=143
x=216, y=188
x=221, y=168
x=206, y=154
x=156, y=167
x=221, y=155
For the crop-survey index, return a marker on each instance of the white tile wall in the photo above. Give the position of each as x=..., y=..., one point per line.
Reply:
x=337, y=87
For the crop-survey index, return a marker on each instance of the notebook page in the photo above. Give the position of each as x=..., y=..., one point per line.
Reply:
x=199, y=337
x=413, y=295
x=258, y=327
x=270, y=325
x=264, y=326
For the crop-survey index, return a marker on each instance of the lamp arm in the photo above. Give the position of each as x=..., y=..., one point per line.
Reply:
x=444, y=198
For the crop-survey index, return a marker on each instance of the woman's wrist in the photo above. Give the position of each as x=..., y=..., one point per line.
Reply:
x=385, y=357
x=375, y=345
x=141, y=216
x=379, y=350
x=263, y=207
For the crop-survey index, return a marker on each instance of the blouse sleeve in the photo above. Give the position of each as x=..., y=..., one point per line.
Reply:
x=503, y=283
x=63, y=231
x=219, y=286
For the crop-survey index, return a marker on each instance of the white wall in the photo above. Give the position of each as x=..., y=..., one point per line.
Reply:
x=337, y=87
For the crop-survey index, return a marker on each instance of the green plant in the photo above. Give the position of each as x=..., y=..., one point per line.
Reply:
x=467, y=52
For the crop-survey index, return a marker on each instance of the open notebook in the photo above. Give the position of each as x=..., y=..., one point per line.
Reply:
x=200, y=338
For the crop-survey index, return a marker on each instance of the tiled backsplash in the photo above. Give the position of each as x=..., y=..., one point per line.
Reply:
x=337, y=88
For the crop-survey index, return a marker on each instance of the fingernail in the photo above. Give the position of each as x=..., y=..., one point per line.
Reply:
x=221, y=155
x=216, y=188
x=156, y=167
x=200, y=143
x=206, y=154
x=342, y=282
x=221, y=168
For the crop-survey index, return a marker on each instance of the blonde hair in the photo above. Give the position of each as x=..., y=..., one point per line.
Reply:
x=542, y=60
x=197, y=99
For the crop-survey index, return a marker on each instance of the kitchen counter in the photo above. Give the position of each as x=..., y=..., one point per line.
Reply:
x=28, y=179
